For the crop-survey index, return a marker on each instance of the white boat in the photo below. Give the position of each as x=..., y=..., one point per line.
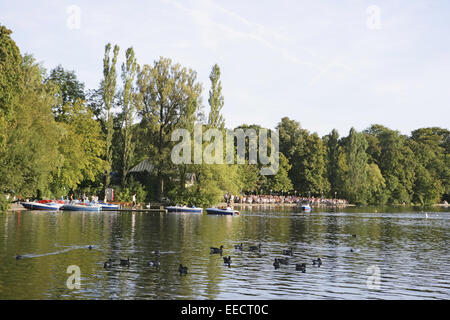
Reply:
x=222, y=211
x=306, y=207
x=109, y=206
x=184, y=209
x=81, y=207
x=42, y=205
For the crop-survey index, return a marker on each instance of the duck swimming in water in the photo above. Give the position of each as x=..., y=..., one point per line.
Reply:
x=276, y=263
x=227, y=260
x=317, y=262
x=108, y=264
x=156, y=264
x=182, y=270
x=18, y=257
x=300, y=267
x=255, y=248
x=288, y=252
x=216, y=250
x=238, y=246
x=283, y=260
x=124, y=262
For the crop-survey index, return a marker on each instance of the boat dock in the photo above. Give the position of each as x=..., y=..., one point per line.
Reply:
x=160, y=210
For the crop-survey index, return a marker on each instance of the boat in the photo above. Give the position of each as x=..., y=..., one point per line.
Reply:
x=48, y=205
x=184, y=209
x=109, y=206
x=306, y=207
x=222, y=211
x=81, y=207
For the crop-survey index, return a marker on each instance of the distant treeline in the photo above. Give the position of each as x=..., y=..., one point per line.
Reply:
x=59, y=138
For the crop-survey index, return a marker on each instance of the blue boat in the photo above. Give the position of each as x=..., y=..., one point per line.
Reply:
x=306, y=207
x=81, y=207
x=223, y=211
x=184, y=209
x=49, y=206
x=109, y=206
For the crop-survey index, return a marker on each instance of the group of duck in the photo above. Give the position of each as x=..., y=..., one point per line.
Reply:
x=183, y=270
x=277, y=262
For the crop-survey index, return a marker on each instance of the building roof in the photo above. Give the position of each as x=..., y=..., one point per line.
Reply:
x=142, y=166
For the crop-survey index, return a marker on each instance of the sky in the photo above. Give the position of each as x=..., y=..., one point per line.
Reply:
x=326, y=64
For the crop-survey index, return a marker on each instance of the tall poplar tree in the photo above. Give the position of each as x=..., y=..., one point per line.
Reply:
x=216, y=100
x=108, y=90
x=129, y=69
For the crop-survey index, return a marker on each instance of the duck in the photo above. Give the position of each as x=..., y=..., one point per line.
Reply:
x=18, y=257
x=288, y=252
x=276, y=263
x=283, y=260
x=124, y=262
x=238, y=246
x=227, y=260
x=90, y=247
x=300, y=267
x=107, y=264
x=216, y=250
x=156, y=252
x=255, y=248
x=154, y=264
x=182, y=269
x=317, y=262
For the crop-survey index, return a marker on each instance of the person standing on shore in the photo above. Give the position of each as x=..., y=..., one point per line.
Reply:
x=134, y=200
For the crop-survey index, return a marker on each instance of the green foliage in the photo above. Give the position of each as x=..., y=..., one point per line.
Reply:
x=108, y=89
x=307, y=154
x=68, y=91
x=129, y=100
x=216, y=99
x=352, y=168
x=280, y=181
x=125, y=193
x=170, y=99
x=80, y=151
x=52, y=142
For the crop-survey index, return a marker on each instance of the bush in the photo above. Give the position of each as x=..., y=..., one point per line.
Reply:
x=125, y=194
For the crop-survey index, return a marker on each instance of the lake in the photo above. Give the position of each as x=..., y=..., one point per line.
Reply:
x=396, y=253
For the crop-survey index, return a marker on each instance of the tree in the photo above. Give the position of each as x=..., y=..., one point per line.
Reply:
x=69, y=89
x=31, y=144
x=80, y=150
x=170, y=98
x=216, y=100
x=108, y=87
x=280, y=181
x=432, y=174
x=129, y=69
x=11, y=75
x=331, y=142
x=391, y=152
x=352, y=167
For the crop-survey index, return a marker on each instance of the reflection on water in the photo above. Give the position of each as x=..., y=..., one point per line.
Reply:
x=410, y=248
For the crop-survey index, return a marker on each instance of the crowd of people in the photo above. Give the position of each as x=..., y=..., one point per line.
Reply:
x=282, y=199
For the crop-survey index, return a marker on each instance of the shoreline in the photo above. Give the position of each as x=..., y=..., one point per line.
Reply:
x=283, y=205
x=17, y=207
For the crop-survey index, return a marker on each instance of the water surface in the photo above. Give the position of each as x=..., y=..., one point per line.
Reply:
x=409, y=247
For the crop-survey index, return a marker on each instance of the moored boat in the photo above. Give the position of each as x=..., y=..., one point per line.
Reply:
x=184, y=209
x=47, y=205
x=222, y=211
x=306, y=207
x=109, y=206
x=81, y=207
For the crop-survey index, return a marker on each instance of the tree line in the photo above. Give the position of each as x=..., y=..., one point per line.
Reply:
x=59, y=138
